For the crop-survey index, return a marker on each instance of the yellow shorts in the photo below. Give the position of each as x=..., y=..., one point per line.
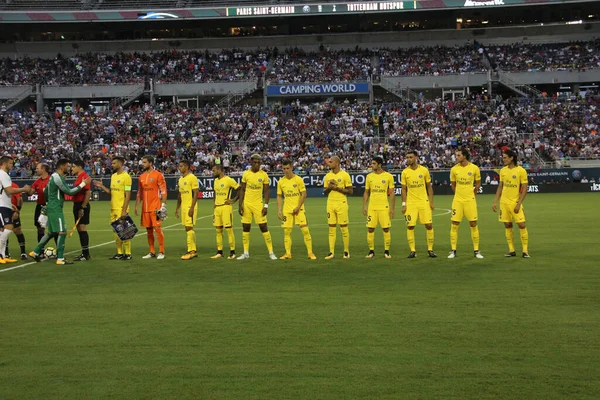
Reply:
x=337, y=214
x=253, y=210
x=289, y=220
x=186, y=220
x=420, y=211
x=507, y=213
x=223, y=216
x=381, y=217
x=467, y=209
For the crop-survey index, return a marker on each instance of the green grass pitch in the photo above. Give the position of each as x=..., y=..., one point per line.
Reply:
x=342, y=329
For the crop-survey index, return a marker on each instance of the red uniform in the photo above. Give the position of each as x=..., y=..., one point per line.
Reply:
x=16, y=197
x=152, y=188
x=80, y=196
x=39, y=186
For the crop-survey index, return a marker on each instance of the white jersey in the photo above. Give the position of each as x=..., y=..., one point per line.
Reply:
x=5, y=197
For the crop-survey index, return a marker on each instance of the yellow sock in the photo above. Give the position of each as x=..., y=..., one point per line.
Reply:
x=268, y=241
x=510, y=240
x=524, y=239
x=410, y=235
x=119, y=244
x=387, y=240
x=430, y=239
x=371, y=240
x=191, y=240
x=287, y=240
x=453, y=236
x=219, y=239
x=332, y=234
x=127, y=246
x=246, y=241
x=307, y=239
x=475, y=237
x=230, y=238
x=346, y=238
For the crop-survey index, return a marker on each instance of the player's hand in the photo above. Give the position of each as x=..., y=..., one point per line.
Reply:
x=296, y=211
x=80, y=213
x=241, y=211
x=280, y=215
x=364, y=211
x=332, y=184
x=228, y=202
x=403, y=209
x=123, y=214
x=87, y=180
x=431, y=206
x=494, y=207
x=26, y=189
x=517, y=208
x=136, y=211
x=191, y=213
x=98, y=184
x=392, y=213
x=177, y=213
x=264, y=211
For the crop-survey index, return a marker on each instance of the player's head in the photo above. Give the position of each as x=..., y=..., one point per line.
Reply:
x=218, y=171
x=147, y=163
x=184, y=167
x=412, y=158
x=334, y=162
x=42, y=169
x=376, y=163
x=288, y=168
x=77, y=167
x=117, y=163
x=462, y=154
x=255, y=161
x=509, y=158
x=6, y=163
x=63, y=166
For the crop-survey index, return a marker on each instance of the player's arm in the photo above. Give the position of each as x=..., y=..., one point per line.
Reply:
x=63, y=187
x=498, y=194
x=392, y=191
x=138, y=196
x=522, y=193
x=280, y=206
x=178, y=205
x=162, y=189
x=430, y=193
x=366, y=200
x=195, y=191
x=242, y=193
x=100, y=185
x=453, y=180
x=403, y=194
x=126, y=201
x=477, y=187
x=85, y=202
x=12, y=190
x=328, y=185
x=303, y=195
x=267, y=197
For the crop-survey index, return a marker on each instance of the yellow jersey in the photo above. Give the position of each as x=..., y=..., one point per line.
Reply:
x=291, y=190
x=343, y=181
x=119, y=184
x=465, y=178
x=379, y=186
x=254, y=186
x=416, y=181
x=223, y=189
x=512, y=179
x=186, y=184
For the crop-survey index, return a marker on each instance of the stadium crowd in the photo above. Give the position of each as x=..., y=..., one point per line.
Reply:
x=306, y=133
x=293, y=65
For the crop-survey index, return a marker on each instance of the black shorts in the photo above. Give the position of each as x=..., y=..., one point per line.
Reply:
x=85, y=220
x=5, y=216
x=36, y=215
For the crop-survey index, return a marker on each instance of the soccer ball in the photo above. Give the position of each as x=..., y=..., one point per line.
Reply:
x=50, y=252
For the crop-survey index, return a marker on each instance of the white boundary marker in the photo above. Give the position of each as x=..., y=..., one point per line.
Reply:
x=447, y=211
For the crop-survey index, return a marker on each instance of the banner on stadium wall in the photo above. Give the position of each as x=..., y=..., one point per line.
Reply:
x=318, y=89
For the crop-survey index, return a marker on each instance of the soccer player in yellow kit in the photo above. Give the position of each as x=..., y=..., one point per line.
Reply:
x=417, y=202
x=223, y=209
x=120, y=195
x=255, y=185
x=292, y=191
x=379, y=185
x=337, y=186
x=187, y=201
x=511, y=192
x=465, y=179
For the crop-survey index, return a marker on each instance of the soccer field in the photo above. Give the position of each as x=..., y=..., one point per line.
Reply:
x=299, y=329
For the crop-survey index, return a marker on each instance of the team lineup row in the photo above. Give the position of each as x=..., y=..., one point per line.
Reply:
x=253, y=197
